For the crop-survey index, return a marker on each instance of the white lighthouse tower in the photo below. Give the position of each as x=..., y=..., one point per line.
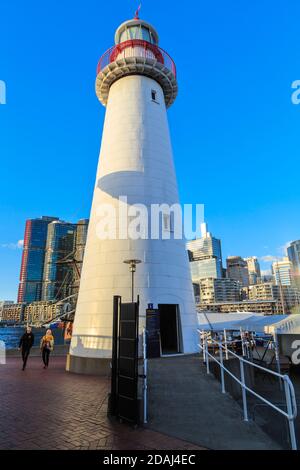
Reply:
x=136, y=81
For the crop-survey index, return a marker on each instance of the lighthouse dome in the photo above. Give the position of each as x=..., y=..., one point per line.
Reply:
x=136, y=29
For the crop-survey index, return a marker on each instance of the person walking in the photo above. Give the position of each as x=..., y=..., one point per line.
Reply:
x=25, y=344
x=47, y=345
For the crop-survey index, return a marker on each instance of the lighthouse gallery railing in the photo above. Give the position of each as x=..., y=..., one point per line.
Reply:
x=136, y=48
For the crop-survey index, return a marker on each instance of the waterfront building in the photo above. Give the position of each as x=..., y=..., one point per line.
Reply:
x=266, y=307
x=293, y=252
x=12, y=312
x=33, y=256
x=253, y=270
x=286, y=294
x=3, y=303
x=136, y=81
x=40, y=312
x=205, y=256
x=58, y=276
x=237, y=268
x=213, y=290
x=283, y=272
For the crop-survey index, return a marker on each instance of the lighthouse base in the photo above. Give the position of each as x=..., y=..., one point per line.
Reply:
x=88, y=365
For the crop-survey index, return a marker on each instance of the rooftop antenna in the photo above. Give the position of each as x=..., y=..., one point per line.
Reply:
x=136, y=16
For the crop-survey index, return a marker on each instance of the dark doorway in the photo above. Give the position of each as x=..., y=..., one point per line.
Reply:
x=169, y=329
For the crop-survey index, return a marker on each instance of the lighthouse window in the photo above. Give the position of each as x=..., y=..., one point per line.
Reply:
x=145, y=34
x=124, y=36
x=134, y=32
x=153, y=95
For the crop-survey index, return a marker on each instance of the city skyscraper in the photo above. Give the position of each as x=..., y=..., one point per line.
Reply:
x=205, y=256
x=58, y=276
x=237, y=268
x=32, y=265
x=79, y=248
x=253, y=270
x=136, y=81
x=293, y=252
x=283, y=272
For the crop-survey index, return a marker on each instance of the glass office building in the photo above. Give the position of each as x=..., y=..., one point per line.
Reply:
x=32, y=266
x=205, y=256
x=58, y=276
x=293, y=252
x=79, y=248
x=283, y=272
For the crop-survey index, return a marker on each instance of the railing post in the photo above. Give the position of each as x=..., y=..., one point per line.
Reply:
x=222, y=367
x=225, y=344
x=276, y=347
x=290, y=413
x=242, y=340
x=145, y=376
x=244, y=395
x=206, y=356
x=202, y=342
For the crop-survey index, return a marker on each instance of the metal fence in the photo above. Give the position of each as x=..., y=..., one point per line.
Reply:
x=291, y=405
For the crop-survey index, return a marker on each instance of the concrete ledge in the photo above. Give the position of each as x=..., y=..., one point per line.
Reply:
x=88, y=365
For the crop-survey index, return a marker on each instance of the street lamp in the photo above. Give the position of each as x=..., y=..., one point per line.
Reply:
x=132, y=268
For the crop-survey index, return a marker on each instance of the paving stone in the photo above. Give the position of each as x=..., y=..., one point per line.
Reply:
x=52, y=409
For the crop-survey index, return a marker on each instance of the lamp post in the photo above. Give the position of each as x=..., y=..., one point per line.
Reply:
x=132, y=268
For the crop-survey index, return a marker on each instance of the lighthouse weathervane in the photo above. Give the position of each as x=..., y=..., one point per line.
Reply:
x=136, y=82
x=136, y=16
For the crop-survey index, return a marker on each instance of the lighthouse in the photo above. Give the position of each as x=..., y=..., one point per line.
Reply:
x=136, y=82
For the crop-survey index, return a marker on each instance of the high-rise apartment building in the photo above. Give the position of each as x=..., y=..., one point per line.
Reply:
x=57, y=278
x=218, y=290
x=288, y=295
x=293, y=252
x=32, y=266
x=205, y=256
x=237, y=269
x=253, y=270
x=283, y=272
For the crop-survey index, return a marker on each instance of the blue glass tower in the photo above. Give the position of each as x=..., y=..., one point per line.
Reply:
x=32, y=267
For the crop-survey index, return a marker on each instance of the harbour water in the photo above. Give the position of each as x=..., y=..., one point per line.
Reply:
x=11, y=336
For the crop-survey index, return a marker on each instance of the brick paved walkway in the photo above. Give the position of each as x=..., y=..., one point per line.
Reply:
x=52, y=409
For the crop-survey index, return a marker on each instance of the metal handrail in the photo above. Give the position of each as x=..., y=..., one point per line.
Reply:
x=291, y=403
x=136, y=48
x=282, y=376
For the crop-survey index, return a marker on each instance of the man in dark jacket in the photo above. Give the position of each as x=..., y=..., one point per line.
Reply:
x=26, y=343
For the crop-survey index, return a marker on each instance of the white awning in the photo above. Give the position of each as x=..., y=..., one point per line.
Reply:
x=248, y=322
x=288, y=326
x=221, y=321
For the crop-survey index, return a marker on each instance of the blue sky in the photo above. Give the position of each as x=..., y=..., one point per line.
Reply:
x=235, y=131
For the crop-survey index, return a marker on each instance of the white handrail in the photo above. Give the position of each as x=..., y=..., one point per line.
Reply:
x=291, y=403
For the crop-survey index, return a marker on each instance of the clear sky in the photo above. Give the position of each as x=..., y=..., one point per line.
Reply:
x=235, y=130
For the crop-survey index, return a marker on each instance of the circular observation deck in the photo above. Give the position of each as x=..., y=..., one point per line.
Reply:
x=136, y=57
